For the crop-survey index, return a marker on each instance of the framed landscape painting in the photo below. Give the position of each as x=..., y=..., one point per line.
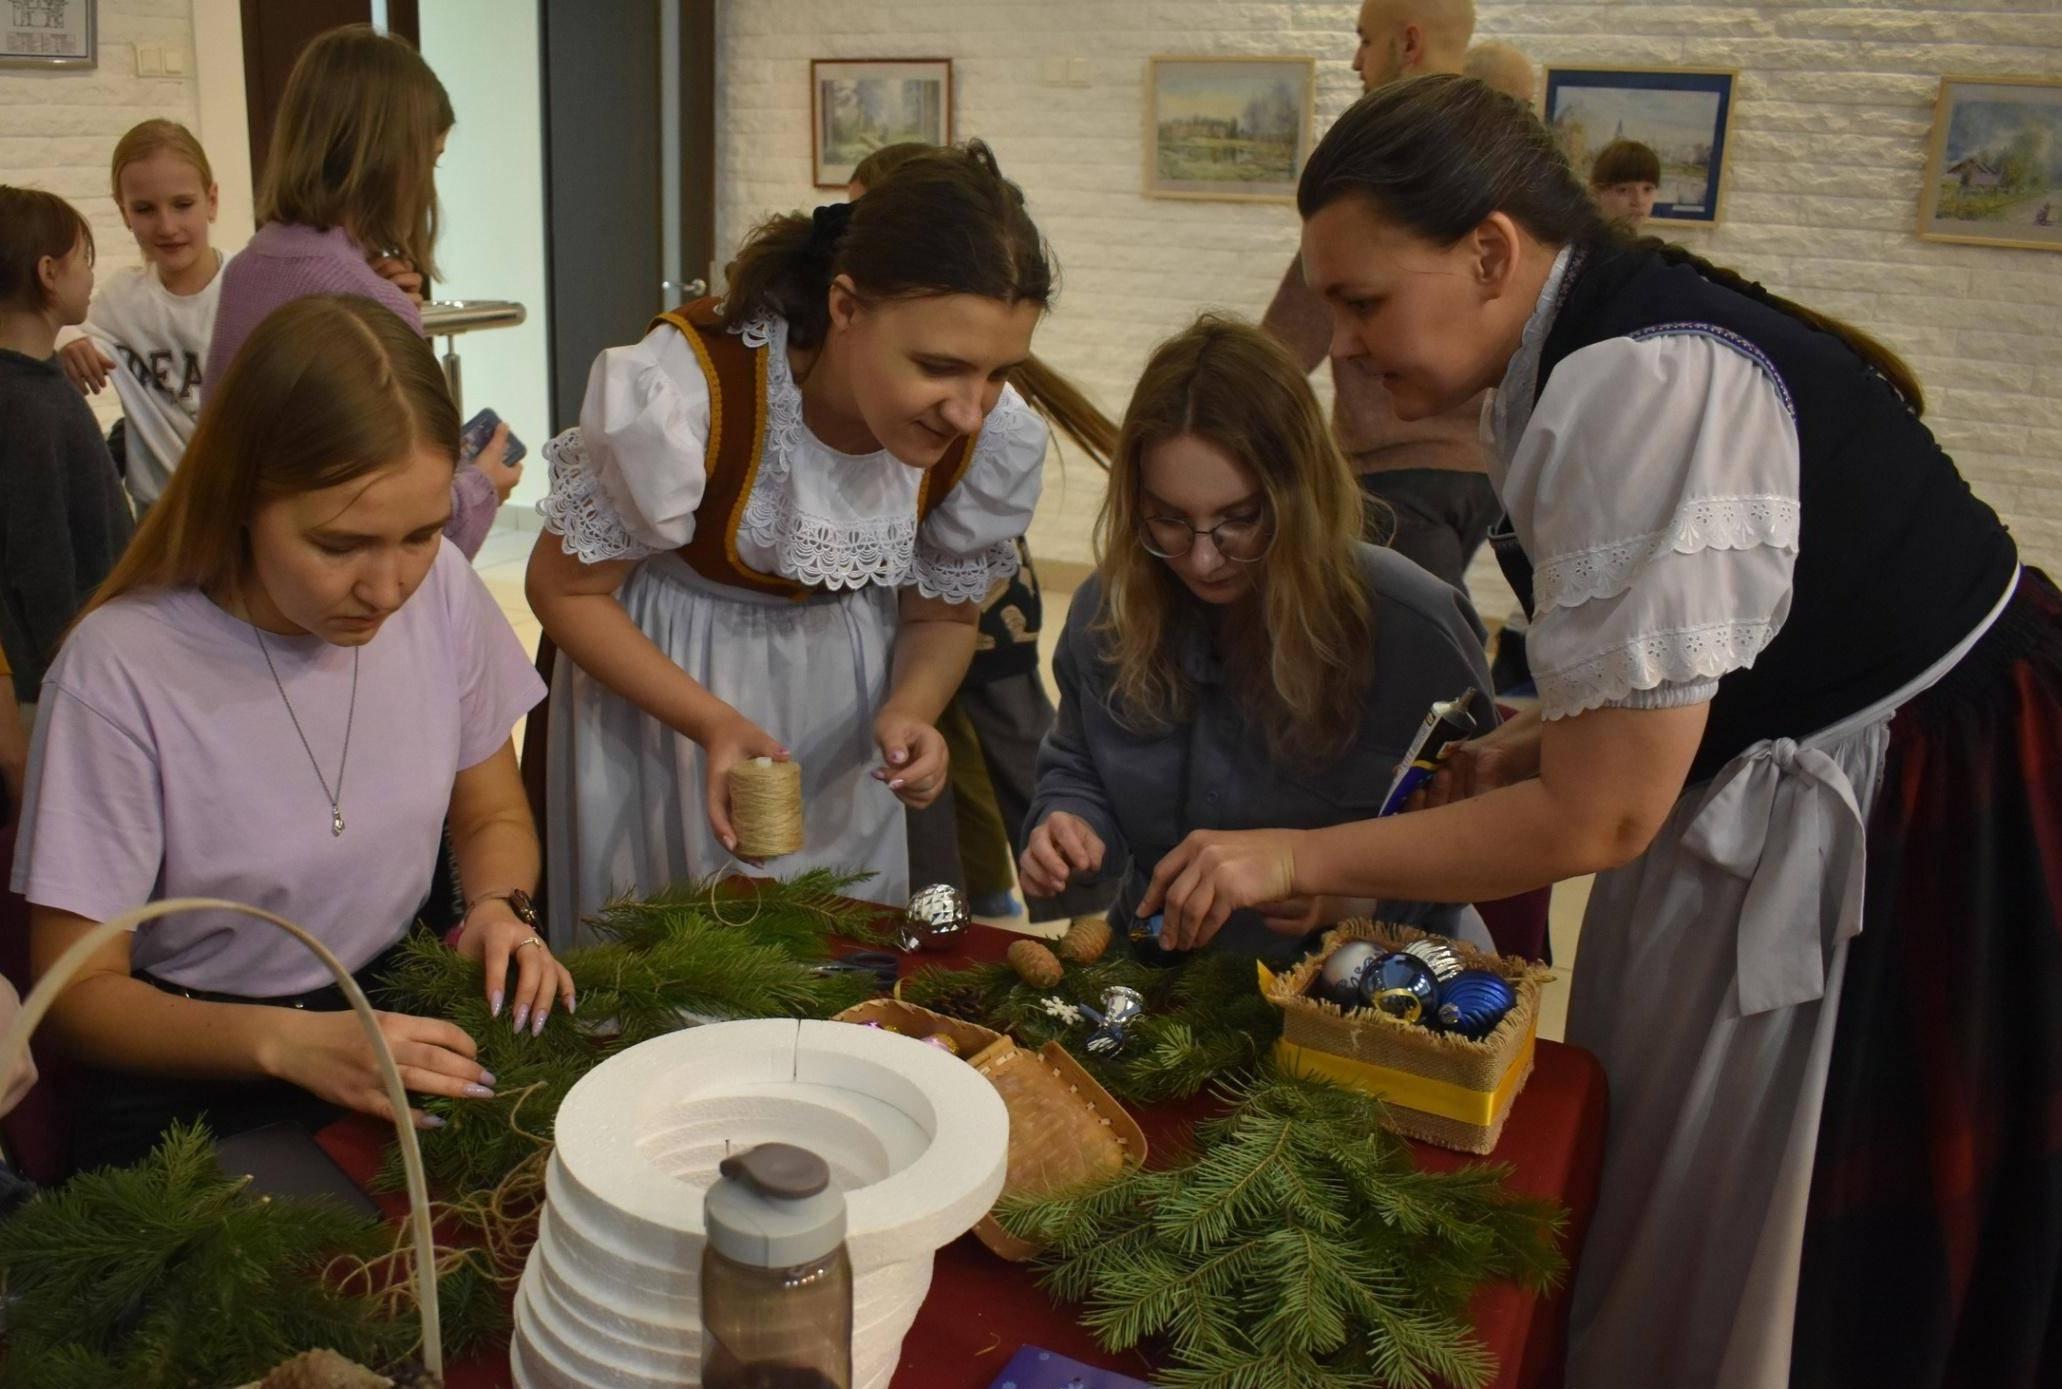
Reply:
x=1230, y=129
x=1679, y=113
x=1994, y=165
x=859, y=105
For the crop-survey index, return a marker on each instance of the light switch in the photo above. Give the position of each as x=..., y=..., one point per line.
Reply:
x=1053, y=71
x=175, y=61
x=1077, y=72
x=150, y=60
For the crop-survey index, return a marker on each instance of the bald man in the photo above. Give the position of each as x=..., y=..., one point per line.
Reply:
x=1504, y=68
x=1426, y=480
x=1401, y=37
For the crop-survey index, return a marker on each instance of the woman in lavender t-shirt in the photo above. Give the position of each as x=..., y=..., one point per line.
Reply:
x=280, y=695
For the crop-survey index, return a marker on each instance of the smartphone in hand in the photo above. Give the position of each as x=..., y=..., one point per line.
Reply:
x=478, y=430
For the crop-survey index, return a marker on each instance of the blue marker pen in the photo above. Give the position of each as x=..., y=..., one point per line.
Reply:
x=1451, y=721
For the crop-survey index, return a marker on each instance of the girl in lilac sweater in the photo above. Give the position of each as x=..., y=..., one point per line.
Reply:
x=349, y=206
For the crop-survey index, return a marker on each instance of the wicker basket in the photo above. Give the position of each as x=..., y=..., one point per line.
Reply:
x=1065, y=1129
x=1436, y=1086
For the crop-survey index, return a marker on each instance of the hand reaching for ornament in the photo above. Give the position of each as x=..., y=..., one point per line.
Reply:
x=1062, y=846
x=1502, y=757
x=914, y=757
x=736, y=740
x=327, y=1055
x=1212, y=874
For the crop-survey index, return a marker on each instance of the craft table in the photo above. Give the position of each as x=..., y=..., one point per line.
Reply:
x=981, y=1308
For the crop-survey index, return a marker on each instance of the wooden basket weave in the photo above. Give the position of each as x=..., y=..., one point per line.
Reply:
x=1065, y=1129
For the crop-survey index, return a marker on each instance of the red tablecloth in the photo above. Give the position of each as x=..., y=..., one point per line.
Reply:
x=982, y=1308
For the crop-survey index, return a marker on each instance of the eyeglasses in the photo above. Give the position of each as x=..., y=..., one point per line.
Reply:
x=1243, y=540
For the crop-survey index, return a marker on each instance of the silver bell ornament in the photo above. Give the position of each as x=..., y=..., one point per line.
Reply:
x=1121, y=1007
x=1339, y=981
x=1439, y=955
x=935, y=918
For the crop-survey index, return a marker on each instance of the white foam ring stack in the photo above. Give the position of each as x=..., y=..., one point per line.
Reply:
x=916, y=1139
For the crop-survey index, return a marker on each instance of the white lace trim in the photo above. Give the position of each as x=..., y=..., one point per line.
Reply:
x=1682, y=656
x=963, y=578
x=579, y=512
x=842, y=552
x=1708, y=523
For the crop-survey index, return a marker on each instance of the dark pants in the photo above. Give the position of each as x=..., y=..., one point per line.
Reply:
x=1436, y=517
x=119, y=1116
x=1009, y=718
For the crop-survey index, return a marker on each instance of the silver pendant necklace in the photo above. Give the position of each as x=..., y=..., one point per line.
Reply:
x=336, y=797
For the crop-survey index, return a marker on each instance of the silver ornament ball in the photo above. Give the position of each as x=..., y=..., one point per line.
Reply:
x=935, y=918
x=1439, y=955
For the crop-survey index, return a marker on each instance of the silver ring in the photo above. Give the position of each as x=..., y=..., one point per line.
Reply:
x=534, y=940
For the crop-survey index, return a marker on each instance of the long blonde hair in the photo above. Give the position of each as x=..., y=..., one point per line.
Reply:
x=355, y=144
x=329, y=388
x=1299, y=653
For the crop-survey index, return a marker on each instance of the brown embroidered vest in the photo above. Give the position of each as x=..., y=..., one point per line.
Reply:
x=736, y=374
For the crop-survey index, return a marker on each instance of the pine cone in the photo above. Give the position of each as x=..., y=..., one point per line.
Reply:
x=1034, y=964
x=323, y=1369
x=1085, y=941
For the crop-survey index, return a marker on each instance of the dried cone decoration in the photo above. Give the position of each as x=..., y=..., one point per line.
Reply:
x=1085, y=941
x=1034, y=964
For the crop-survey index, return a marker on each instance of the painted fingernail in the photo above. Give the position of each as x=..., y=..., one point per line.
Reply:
x=494, y=1004
x=537, y=1024
x=430, y=1121
x=522, y=1015
x=895, y=785
x=486, y=1076
x=478, y=1092
x=573, y=1005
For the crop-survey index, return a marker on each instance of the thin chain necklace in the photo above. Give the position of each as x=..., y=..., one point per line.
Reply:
x=336, y=797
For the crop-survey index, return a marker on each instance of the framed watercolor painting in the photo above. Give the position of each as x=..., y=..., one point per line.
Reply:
x=1994, y=164
x=1229, y=129
x=859, y=105
x=1679, y=113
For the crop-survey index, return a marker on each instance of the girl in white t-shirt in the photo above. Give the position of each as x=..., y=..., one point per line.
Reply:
x=149, y=325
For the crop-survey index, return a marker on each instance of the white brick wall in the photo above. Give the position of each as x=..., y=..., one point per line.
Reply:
x=58, y=128
x=1829, y=134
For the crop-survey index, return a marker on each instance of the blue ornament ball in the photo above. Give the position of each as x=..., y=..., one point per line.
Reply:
x=1474, y=1001
x=1403, y=986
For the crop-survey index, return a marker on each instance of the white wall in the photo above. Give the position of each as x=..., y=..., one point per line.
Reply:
x=58, y=127
x=491, y=185
x=1828, y=143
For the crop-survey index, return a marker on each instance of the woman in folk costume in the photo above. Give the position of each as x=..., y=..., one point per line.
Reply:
x=772, y=531
x=1802, y=709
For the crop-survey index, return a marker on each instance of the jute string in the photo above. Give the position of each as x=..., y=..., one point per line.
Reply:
x=766, y=807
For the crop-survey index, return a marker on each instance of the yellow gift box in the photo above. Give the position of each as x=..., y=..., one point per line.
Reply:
x=1436, y=1086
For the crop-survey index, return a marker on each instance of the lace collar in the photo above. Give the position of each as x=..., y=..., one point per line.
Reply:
x=1516, y=392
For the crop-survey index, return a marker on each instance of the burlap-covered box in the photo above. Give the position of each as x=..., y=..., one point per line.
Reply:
x=1436, y=1086
x=1066, y=1131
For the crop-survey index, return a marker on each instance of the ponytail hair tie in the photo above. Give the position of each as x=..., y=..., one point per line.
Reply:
x=827, y=228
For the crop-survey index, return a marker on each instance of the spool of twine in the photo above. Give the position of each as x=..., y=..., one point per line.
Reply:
x=766, y=807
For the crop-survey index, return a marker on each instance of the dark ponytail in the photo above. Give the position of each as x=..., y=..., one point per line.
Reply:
x=1438, y=154
x=945, y=221
x=933, y=220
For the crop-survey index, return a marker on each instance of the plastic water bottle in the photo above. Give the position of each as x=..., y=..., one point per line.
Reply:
x=776, y=1281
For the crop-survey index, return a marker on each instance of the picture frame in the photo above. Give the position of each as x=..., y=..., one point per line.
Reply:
x=1994, y=164
x=49, y=34
x=1228, y=128
x=858, y=105
x=1683, y=114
